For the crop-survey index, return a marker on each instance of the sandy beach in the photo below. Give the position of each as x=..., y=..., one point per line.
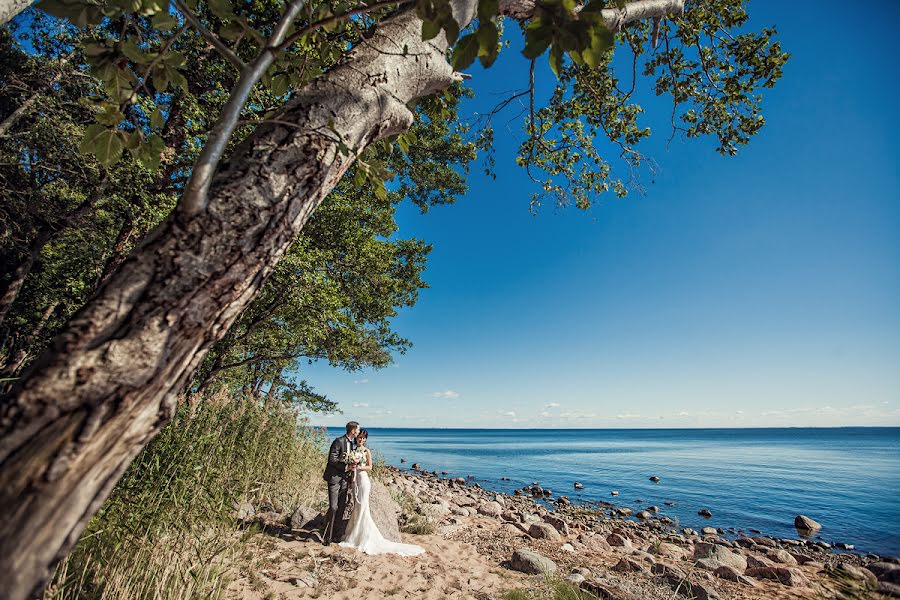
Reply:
x=488, y=545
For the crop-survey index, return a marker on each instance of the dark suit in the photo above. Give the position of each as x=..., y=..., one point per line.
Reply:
x=336, y=475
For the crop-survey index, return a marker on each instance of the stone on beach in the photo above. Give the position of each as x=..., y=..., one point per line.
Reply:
x=719, y=554
x=304, y=517
x=490, y=509
x=533, y=563
x=885, y=571
x=704, y=512
x=385, y=511
x=544, y=531
x=789, y=576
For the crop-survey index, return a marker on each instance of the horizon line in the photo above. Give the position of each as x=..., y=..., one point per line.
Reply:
x=623, y=428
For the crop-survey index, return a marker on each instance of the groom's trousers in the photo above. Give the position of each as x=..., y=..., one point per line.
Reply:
x=335, y=525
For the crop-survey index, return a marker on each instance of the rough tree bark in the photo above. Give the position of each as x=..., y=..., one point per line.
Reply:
x=10, y=8
x=109, y=382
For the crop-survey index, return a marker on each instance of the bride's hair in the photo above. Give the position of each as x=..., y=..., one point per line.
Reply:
x=362, y=435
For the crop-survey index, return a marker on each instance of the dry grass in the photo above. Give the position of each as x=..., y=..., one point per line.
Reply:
x=168, y=529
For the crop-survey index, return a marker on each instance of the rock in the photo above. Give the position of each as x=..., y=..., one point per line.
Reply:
x=583, y=571
x=781, y=556
x=643, y=515
x=595, y=543
x=435, y=511
x=710, y=564
x=614, y=493
x=575, y=579
x=459, y=481
x=627, y=565
x=846, y=571
x=624, y=512
x=512, y=530
x=654, y=509
x=669, y=550
x=885, y=571
x=688, y=531
x=654, y=479
x=544, y=531
x=756, y=562
x=559, y=524
x=385, y=511
x=719, y=554
x=416, y=466
x=709, y=531
x=726, y=572
x=244, y=511
x=579, y=486
x=530, y=562
x=789, y=576
x=402, y=460
x=764, y=541
x=606, y=591
x=567, y=548
x=305, y=518
x=806, y=525
x=618, y=541
x=704, y=512
x=490, y=509
x=888, y=589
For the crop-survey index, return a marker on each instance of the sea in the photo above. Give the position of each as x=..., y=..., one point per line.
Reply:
x=847, y=479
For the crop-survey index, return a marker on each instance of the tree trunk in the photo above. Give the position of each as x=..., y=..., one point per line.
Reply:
x=10, y=8
x=109, y=382
x=91, y=402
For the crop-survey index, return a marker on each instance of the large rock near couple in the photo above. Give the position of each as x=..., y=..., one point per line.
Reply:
x=385, y=511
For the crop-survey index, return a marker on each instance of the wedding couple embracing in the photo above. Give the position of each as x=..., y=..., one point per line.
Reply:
x=349, y=520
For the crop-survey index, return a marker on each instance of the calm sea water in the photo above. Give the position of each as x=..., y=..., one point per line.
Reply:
x=847, y=479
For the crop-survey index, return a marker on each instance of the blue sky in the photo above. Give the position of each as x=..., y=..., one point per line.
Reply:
x=757, y=290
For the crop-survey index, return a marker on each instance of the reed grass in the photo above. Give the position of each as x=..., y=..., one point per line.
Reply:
x=168, y=529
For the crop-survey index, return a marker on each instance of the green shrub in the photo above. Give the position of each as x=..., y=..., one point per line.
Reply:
x=168, y=528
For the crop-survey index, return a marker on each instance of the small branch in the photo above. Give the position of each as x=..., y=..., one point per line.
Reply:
x=337, y=19
x=209, y=36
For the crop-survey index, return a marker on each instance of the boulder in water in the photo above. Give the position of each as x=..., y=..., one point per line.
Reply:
x=806, y=525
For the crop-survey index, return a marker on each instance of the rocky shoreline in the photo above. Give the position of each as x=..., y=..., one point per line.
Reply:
x=597, y=548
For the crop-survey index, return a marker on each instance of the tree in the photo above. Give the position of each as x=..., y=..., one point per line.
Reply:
x=90, y=402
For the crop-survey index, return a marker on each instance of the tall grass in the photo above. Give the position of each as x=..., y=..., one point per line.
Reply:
x=168, y=529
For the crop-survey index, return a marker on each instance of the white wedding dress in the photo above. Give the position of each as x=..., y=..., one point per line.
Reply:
x=363, y=534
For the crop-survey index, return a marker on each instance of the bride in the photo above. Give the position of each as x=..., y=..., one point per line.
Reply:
x=362, y=533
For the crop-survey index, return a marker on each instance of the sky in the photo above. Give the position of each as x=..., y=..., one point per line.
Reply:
x=761, y=290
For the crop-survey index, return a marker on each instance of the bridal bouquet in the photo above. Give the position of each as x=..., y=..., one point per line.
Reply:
x=354, y=458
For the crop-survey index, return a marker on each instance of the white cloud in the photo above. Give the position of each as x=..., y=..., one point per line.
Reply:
x=684, y=413
x=361, y=405
x=552, y=405
x=508, y=413
x=545, y=414
x=361, y=381
x=447, y=394
x=630, y=416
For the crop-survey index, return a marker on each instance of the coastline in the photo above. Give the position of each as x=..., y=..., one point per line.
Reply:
x=484, y=545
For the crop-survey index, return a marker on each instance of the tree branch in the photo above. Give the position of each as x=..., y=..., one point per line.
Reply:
x=214, y=40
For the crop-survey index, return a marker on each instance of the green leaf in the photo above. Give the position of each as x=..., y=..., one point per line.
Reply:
x=130, y=49
x=537, y=39
x=451, y=30
x=151, y=152
x=157, y=119
x=430, y=29
x=118, y=82
x=110, y=115
x=556, y=60
x=465, y=52
x=488, y=36
x=280, y=84
x=80, y=13
x=133, y=141
x=488, y=9
x=164, y=21
x=104, y=143
x=221, y=8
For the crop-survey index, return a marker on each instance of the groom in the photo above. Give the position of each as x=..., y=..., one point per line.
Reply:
x=336, y=475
